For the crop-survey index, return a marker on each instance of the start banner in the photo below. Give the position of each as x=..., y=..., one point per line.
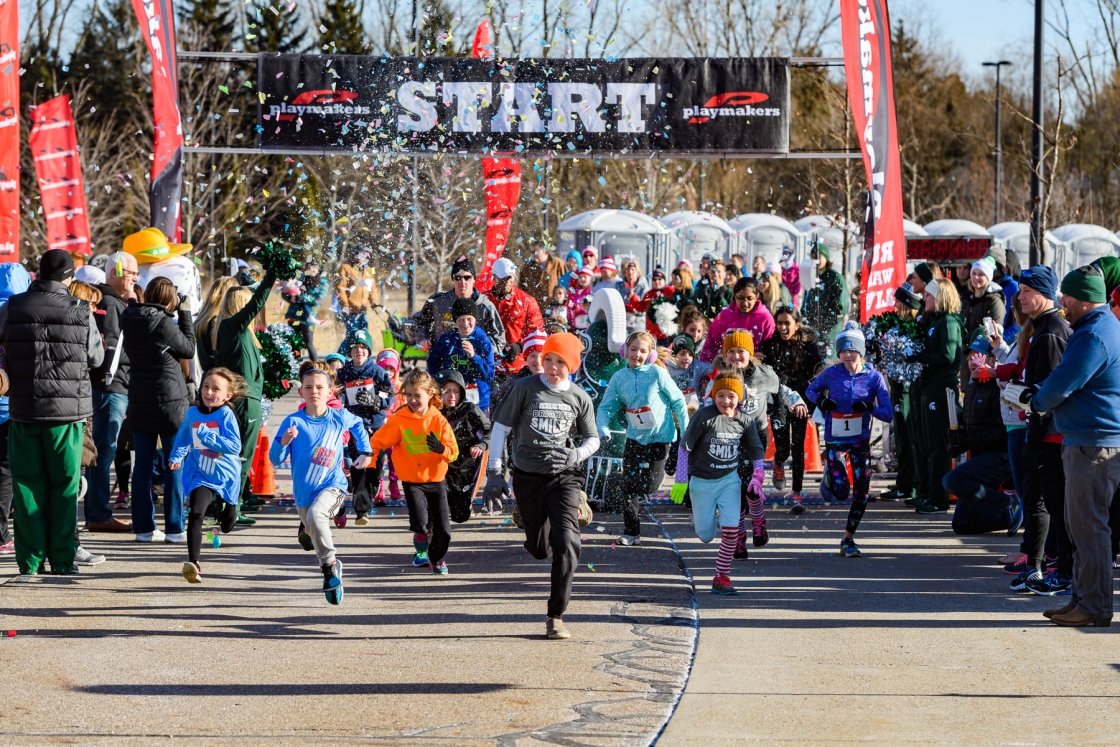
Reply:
x=525, y=106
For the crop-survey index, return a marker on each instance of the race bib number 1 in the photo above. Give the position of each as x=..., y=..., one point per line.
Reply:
x=847, y=425
x=640, y=419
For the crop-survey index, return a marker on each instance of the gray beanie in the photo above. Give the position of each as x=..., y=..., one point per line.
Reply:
x=851, y=339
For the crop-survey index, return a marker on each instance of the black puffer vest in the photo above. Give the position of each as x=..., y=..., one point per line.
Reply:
x=48, y=359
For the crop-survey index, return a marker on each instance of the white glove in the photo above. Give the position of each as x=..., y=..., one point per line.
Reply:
x=1010, y=397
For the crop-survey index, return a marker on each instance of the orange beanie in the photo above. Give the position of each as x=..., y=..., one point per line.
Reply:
x=567, y=346
x=739, y=339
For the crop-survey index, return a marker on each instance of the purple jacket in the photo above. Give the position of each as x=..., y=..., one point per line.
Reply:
x=844, y=389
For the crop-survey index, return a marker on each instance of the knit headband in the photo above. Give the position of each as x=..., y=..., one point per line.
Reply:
x=732, y=385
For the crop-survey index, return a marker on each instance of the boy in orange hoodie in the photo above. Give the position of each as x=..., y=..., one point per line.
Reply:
x=424, y=445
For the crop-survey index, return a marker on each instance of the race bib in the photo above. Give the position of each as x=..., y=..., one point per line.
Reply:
x=472, y=393
x=640, y=419
x=198, y=445
x=353, y=387
x=847, y=425
x=690, y=398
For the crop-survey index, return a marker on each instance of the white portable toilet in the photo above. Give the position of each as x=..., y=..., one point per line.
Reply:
x=912, y=230
x=1016, y=237
x=765, y=235
x=955, y=227
x=698, y=233
x=1084, y=243
x=619, y=233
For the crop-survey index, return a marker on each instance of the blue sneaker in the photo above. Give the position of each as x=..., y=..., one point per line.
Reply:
x=1050, y=585
x=332, y=582
x=420, y=559
x=1014, y=515
x=849, y=548
x=440, y=568
x=1030, y=573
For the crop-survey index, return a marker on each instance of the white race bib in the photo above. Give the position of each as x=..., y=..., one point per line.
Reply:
x=472, y=393
x=847, y=425
x=640, y=419
x=353, y=387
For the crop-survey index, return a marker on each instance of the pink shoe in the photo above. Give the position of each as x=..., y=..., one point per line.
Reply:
x=379, y=499
x=8, y=548
x=340, y=520
x=394, y=490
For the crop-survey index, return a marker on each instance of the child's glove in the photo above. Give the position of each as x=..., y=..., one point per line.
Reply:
x=755, y=485
x=826, y=405
x=366, y=398
x=435, y=445
x=678, y=491
x=860, y=406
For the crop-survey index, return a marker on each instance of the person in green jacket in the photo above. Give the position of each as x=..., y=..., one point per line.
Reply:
x=208, y=317
x=941, y=362
x=1110, y=268
x=906, y=305
x=826, y=305
x=236, y=347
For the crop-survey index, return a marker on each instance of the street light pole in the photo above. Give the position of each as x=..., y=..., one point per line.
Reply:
x=415, y=189
x=1037, y=143
x=999, y=133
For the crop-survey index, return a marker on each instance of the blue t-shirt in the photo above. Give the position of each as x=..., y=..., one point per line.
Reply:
x=208, y=446
x=316, y=452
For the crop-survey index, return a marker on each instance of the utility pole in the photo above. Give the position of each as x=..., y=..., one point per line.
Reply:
x=1037, y=143
x=415, y=195
x=999, y=133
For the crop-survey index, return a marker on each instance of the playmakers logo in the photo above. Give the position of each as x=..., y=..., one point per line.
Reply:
x=322, y=103
x=735, y=104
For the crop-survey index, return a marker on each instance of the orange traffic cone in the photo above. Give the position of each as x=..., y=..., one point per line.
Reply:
x=769, y=443
x=812, y=449
x=262, y=479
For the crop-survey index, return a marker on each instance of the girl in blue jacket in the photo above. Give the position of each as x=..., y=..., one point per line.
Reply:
x=468, y=350
x=208, y=450
x=850, y=394
x=655, y=410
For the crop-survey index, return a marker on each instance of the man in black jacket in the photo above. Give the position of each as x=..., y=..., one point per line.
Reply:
x=110, y=391
x=982, y=506
x=51, y=340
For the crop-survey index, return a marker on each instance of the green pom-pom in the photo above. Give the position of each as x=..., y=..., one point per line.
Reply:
x=281, y=261
x=278, y=359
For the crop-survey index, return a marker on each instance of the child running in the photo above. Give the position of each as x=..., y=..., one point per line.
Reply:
x=472, y=431
x=720, y=443
x=312, y=438
x=208, y=450
x=849, y=394
x=651, y=401
x=367, y=392
x=423, y=445
x=544, y=412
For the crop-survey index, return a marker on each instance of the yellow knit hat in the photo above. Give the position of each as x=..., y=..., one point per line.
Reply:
x=728, y=383
x=739, y=338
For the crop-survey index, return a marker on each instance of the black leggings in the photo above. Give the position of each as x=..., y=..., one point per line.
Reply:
x=308, y=339
x=1044, y=483
x=643, y=469
x=201, y=498
x=789, y=443
x=427, y=506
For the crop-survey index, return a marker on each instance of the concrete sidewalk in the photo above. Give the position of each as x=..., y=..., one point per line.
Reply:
x=917, y=642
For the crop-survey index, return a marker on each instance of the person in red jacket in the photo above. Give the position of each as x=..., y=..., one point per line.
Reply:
x=649, y=303
x=519, y=312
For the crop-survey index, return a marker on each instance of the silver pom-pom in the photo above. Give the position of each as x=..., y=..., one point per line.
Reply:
x=892, y=349
x=266, y=410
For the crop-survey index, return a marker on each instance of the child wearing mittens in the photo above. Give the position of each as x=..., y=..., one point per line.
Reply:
x=720, y=443
x=651, y=401
x=850, y=394
x=208, y=450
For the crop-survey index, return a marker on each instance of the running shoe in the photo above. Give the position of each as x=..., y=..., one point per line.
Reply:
x=84, y=557
x=245, y=521
x=927, y=508
x=894, y=494
x=340, y=520
x=1012, y=557
x=192, y=573
x=8, y=548
x=332, y=582
x=361, y=520
x=849, y=548
x=153, y=536
x=585, y=514
x=741, y=553
x=305, y=539
x=1050, y=585
x=627, y=540
x=123, y=500
x=420, y=559
x=175, y=538
x=778, y=477
x=1030, y=573
x=1014, y=515
x=1014, y=569
x=440, y=568
x=555, y=630
x=722, y=585
x=761, y=536
x=379, y=499
x=394, y=490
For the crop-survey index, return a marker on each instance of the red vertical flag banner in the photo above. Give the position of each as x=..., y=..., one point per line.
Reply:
x=866, y=31
x=9, y=131
x=54, y=148
x=157, y=24
x=502, y=177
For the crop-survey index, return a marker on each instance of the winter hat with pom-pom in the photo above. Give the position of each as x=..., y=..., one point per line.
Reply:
x=851, y=339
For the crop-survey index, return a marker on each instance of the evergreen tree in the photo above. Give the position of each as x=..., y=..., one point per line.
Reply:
x=209, y=25
x=275, y=29
x=437, y=31
x=107, y=55
x=344, y=32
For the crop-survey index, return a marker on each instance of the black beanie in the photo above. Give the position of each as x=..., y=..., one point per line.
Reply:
x=923, y=271
x=56, y=264
x=460, y=265
x=464, y=307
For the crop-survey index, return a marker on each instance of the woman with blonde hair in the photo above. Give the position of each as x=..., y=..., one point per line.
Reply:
x=204, y=323
x=237, y=348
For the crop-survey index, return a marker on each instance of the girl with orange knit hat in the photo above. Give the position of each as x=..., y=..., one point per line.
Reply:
x=553, y=422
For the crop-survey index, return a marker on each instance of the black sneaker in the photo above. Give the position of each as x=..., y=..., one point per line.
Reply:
x=1014, y=516
x=894, y=494
x=761, y=536
x=927, y=507
x=1050, y=585
x=741, y=553
x=332, y=582
x=1030, y=573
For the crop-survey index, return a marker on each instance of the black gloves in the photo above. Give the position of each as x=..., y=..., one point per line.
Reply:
x=958, y=441
x=366, y=398
x=860, y=406
x=826, y=405
x=511, y=351
x=434, y=444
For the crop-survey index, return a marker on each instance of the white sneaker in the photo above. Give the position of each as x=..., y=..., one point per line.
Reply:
x=156, y=536
x=178, y=539
x=627, y=541
x=85, y=557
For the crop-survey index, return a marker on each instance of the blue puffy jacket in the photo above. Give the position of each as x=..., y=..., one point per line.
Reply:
x=13, y=279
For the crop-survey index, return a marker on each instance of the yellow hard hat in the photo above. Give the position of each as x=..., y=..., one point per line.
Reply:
x=150, y=246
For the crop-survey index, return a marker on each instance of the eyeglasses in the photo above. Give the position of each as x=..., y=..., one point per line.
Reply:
x=128, y=273
x=463, y=278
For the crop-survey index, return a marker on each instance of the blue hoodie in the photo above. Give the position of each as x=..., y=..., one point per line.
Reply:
x=844, y=389
x=479, y=370
x=567, y=278
x=649, y=396
x=14, y=280
x=1083, y=391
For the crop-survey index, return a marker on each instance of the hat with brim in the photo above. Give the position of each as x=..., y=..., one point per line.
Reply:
x=150, y=246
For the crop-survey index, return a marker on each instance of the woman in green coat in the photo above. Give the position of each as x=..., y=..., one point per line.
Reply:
x=236, y=347
x=941, y=361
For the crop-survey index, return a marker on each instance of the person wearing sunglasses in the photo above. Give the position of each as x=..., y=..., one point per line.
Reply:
x=434, y=318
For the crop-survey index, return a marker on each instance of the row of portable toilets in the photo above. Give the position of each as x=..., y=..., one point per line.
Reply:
x=690, y=234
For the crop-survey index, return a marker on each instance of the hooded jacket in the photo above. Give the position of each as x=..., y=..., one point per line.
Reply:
x=650, y=398
x=1046, y=351
x=13, y=279
x=434, y=320
x=568, y=279
x=991, y=303
x=471, y=428
x=982, y=422
x=826, y=304
x=157, y=391
x=797, y=361
x=539, y=281
x=237, y=348
x=758, y=321
x=109, y=325
x=407, y=433
x=941, y=357
x=520, y=315
x=373, y=379
x=479, y=370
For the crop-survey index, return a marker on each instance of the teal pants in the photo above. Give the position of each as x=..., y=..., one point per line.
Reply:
x=46, y=462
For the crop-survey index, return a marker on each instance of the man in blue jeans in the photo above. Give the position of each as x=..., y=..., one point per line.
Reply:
x=982, y=505
x=110, y=391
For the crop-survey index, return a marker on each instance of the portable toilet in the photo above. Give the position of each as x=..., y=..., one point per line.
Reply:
x=1016, y=237
x=764, y=235
x=955, y=227
x=912, y=230
x=1083, y=244
x=619, y=233
x=698, y=233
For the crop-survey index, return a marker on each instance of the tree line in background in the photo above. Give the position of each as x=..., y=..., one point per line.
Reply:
x=92, y=50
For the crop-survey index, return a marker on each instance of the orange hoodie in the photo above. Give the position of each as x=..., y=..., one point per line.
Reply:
x=408, y=432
